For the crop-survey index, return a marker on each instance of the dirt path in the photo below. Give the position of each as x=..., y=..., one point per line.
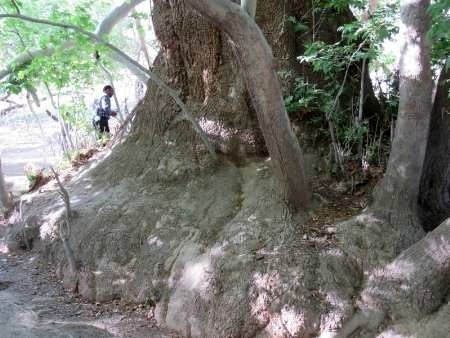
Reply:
x=33, y=304
x=22, y=143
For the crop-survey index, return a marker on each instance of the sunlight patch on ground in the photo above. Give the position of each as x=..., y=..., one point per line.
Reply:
x=48, y=230
x=292, y=320
x=3, y=248
x=154, y=240
x=120, y=281
x=400, y=269
x=27, y=319
x=196, y=275
x=265, y=283
x=367, y=219
x=392, y=334
x=288, y=320
x=439, y=250
x=214, y=128
x=75, y=199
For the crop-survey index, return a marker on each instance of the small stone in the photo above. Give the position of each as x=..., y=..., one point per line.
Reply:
x=330, y=230
x=341, y=187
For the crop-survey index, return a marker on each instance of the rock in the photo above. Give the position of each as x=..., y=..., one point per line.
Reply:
x=342, y=187
x=330, y=230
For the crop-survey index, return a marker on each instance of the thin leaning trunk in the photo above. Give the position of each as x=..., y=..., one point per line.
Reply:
x=361, y=107
x=36, y=117
x=65, y=133
x=397, y=195
x=141, y=36
x=257, y=62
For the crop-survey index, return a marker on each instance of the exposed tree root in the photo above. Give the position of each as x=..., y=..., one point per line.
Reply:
x=64, y=195
x=64, y=233
x=413, y=285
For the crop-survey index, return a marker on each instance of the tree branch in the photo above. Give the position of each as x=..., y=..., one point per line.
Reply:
x=11, y=108
x=117, y=14
x=153, y=76
x=64, y=228
x=249, y=7
x=259, y=70
x=51, y=115
x=141, y=35
x=16, y=6
x=104, y=28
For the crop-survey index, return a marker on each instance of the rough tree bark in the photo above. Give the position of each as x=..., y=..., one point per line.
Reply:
x=256, y=58
x=412, y=286
x=198, y=61
x=396, y=197
x=435, y=187
x=414, y=283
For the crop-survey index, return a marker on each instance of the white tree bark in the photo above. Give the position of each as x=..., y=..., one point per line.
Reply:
x=397, y=195
x=115, y=16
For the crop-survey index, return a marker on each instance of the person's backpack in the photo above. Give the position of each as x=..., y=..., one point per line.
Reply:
x=98, y=106
x=97, y=109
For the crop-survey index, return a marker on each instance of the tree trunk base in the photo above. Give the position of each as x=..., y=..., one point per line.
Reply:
x=412, y=286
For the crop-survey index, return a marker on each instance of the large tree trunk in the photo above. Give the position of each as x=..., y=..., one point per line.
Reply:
x=198, y=61
x=397, y=195
x=256, y=58
x=435, y=187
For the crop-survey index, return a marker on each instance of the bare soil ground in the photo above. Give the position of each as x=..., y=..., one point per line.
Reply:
x=22, y=143
x=33, y=303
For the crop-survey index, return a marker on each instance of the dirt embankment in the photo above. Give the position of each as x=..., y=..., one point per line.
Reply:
x=35, y=305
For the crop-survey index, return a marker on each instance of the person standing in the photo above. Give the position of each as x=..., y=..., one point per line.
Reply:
x=104, y=111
